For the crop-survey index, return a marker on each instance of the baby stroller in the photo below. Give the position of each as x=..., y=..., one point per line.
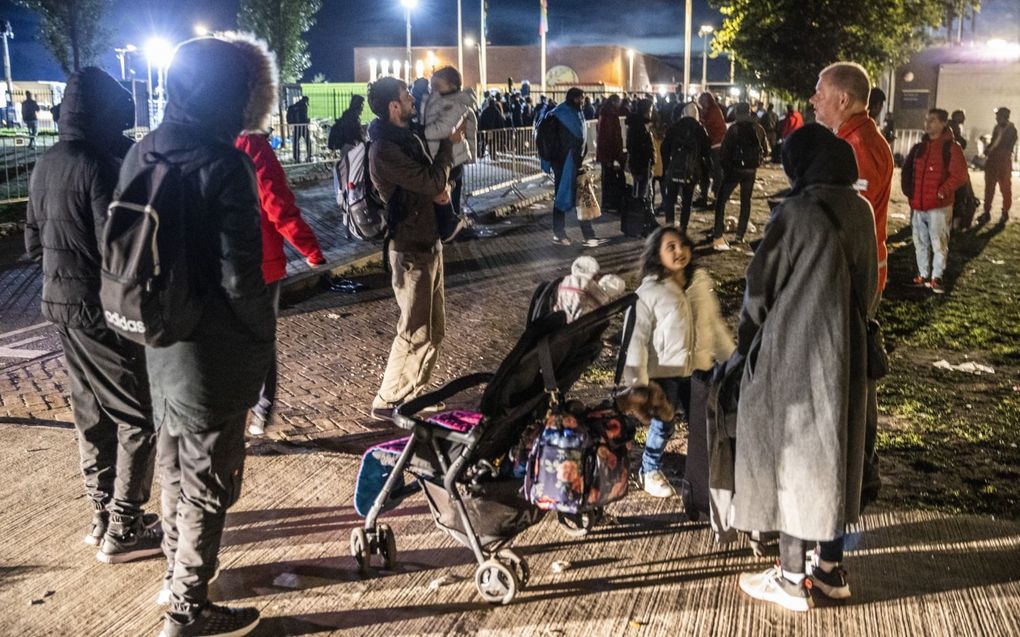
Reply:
x=460, y=461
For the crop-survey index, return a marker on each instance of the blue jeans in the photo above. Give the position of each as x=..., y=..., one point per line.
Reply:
x=678, y=393
x=931, y=234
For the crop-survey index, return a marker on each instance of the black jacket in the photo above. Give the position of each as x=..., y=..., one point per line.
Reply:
x=216, y=373
x=346, y=130
x=687, y=130
x=640, y=150
x=69, y=193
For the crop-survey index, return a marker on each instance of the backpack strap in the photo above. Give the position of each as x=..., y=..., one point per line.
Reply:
x=621, y=358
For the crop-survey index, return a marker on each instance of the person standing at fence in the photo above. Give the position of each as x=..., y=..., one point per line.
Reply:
x=281, y=219
x=204, y=385
x=69, y=192
x=30, y=115
x=572, y=147
x=446, y=107
x=999, y=165
x=297, y=120
x=408, y=180
x=348, y=129
x=610, y=155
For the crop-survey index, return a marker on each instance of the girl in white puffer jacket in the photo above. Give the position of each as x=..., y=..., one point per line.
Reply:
x=678, y=328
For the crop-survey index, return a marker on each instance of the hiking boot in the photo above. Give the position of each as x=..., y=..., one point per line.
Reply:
x=771, y=586
x=130, y=538
x=211, y=621
x=936, y=286
x=384, y=414
x=165, y=594
x=656, y=484
x=97, y=527
x=833, y=584
x=720, y=245
x=921, y=282
x=594, y=242
x=563, y=241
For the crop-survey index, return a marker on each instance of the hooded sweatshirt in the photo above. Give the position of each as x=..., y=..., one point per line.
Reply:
x=69, y=192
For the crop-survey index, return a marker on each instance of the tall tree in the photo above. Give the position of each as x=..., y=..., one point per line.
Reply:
x=282, y=23
x=784, y=43
x=72, y=29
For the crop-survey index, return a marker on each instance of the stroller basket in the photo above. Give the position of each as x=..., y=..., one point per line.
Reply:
x=497, y=510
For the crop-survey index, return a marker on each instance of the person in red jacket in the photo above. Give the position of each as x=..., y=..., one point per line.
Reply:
x=714, y=121
x=793, y=121
x=281, y=220
x=930, y=182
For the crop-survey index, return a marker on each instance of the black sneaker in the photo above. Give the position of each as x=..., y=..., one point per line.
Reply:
x=833, y=584
x=130, y=538
x=211, y=621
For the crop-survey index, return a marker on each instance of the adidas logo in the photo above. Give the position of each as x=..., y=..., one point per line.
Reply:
x=127, y=325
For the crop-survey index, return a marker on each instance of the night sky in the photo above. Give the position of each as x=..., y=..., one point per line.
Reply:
x=651, y=26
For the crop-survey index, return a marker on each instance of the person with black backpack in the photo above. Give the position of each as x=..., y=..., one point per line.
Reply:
x=687, y=153
x=69, y=192
x=743, y=149
x=209, y=356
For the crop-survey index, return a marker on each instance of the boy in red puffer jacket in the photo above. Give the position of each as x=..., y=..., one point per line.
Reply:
x=281, y=219
x=933, y=170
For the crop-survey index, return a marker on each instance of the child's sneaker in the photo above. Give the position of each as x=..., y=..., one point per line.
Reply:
x=771, y=586
x=833, y=584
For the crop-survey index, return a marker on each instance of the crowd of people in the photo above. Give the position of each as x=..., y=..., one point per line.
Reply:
x=805, y=461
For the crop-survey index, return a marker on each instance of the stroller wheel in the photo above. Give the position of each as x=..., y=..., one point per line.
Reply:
x=496, y=582
x=518, y=563
x=387, y=543
x=577, y=524
x=361, y=550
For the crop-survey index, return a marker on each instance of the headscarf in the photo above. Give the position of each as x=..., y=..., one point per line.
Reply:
x=814, y=155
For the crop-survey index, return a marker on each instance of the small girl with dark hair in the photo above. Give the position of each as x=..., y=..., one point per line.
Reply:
x=678, y=329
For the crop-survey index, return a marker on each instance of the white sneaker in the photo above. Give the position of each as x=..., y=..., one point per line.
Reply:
x=594, y=242
x=257, y=425
x=656, y=484
x=771, y=586
x=720, y=245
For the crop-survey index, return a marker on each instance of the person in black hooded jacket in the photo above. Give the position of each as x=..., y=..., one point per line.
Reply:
x=348, y=129
x=69, y=192
x=204, y=385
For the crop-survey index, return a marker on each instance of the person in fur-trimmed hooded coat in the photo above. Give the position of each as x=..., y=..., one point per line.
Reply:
x=203, y=386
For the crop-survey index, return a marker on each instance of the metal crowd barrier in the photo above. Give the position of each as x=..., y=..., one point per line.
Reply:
x=18, y=156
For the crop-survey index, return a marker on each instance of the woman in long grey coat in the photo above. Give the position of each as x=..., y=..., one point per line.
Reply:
x=801, y=415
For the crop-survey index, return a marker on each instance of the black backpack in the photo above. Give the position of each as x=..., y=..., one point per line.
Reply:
x=548, y=138
x=685, y=162
x=747, y=152
x=148, y=290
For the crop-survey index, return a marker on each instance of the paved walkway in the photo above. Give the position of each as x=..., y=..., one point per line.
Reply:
x=285, y=551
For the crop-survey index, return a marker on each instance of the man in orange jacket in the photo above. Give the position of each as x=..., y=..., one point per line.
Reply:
x=841, y=104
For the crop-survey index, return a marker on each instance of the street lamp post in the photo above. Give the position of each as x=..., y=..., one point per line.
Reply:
x=688, y=12
x=408, y=6
x=460, y=39
x=470, y=42
x=704, y=32
x=630, y=73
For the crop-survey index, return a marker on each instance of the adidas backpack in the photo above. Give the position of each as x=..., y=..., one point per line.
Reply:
x=361, y=209
x=148, y=290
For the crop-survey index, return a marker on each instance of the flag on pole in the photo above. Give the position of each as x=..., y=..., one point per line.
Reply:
x=543, y=25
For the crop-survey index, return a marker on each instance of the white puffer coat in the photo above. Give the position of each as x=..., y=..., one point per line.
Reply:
x=442, y=112
x=676, y=331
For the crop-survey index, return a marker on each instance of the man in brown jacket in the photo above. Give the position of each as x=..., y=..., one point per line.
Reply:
x=410, y=181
